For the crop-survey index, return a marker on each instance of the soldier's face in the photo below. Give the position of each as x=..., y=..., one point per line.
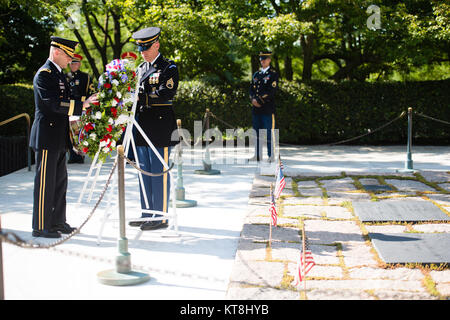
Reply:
x=74, y=66
x=63, y=58
x=265, y=63
x=150, y=54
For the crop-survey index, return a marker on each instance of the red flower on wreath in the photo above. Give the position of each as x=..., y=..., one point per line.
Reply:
x=88, y=127
x=107, y=85
x=85, y=149
x=114, y=112
x=109, y=129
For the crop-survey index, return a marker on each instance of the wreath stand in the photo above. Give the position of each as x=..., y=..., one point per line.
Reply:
x=172, y=230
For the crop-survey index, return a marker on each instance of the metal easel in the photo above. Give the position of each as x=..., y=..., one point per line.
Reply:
x=128, y=141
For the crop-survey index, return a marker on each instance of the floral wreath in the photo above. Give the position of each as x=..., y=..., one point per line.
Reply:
x=102, y=125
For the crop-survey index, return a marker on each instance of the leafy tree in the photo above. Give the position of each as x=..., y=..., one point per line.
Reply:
x=23, y=42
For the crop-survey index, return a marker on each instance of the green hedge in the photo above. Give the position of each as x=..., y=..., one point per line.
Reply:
x=312, y=113
x=326, y=112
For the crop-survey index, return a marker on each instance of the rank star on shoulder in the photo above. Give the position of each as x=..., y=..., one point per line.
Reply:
x=189, y=309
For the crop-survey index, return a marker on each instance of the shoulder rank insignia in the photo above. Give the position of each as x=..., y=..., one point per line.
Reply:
x=169, y=83
x=46, y=70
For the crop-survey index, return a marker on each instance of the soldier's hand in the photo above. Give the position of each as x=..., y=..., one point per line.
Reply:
x=92, y=99
x=255, y=103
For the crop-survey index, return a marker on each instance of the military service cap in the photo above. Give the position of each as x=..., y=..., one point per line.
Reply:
x=68, y=46
x=264, y=55
x=77, y=58
x=146, y=37
x=129, y=55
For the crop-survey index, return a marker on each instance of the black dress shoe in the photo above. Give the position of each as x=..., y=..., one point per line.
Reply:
x=46, y=234
x=140, y=223
x=135, y=223
x=153, y=225
x=63, y=228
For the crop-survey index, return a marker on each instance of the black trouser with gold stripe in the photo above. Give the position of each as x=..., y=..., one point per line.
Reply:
x=50, y=185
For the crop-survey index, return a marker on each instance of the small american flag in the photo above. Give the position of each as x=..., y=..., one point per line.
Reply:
x=304, y=266
x=280, y=164
x=280, y=183
x=273, y=212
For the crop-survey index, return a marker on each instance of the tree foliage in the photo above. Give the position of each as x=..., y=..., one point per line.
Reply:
x=218, y=41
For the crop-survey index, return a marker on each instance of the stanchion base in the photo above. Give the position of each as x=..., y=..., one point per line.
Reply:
x=170, y=234
x=407, y=171
x=114, y=278
x=207, y=172
x=185, y=203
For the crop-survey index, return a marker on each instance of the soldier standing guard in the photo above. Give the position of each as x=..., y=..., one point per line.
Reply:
x=81, y=86
x=50, y=140
x=262, y=96
x=155, y=115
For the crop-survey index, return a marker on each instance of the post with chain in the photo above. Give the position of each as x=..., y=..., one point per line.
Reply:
x=180, y=192
x=207, y=167
x=409, y=161
x=122, y=275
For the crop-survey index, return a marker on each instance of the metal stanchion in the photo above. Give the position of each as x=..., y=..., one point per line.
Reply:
x=122, y=275
x=180, y=192
x=207, y=167
x=409, y=161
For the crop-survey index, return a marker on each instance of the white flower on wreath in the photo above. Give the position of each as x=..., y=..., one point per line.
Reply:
x=114, y=103
x=105, y=149
x=111, y=121
x=98, y=115
x=86, y=143
x=102, y=143
x=113, y=144
x=122, y=119
x=115, y=82
x=93, y=136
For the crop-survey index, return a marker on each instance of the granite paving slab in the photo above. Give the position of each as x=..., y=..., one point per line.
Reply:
x=398, y=210
x=303, y=211
x=310, y=192
x=412, y=247
x=236, y=292
x=376, y=187
x=436, y=176
x=409, y=185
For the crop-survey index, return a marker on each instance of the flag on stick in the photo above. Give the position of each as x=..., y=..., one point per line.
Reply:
x=273, y=211
x=304, y=263
x=280, y=164
x=280, y=183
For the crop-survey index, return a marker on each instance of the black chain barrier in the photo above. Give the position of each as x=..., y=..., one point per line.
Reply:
x=327, y=144
x=150, y=174
x=431, y=118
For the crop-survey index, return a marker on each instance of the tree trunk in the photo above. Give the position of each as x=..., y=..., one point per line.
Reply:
x=255, y=63
x=117, y=45
x=307, y=42
x=288, y=72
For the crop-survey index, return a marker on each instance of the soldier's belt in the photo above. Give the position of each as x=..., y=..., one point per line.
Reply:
x=159, y=104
